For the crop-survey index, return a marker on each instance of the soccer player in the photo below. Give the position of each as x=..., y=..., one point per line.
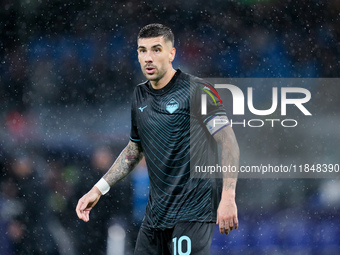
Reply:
x=168, y=129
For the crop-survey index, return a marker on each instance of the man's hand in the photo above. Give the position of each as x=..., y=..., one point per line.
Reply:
x=227, y=215
x=86, y=203
x=227, y=209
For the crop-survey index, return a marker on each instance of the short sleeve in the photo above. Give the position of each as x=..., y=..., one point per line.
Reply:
x=209, y=107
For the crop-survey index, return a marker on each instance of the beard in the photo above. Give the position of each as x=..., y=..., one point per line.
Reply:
x=156, y=75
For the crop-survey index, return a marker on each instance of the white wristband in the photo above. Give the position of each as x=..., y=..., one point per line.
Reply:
x=103, y=186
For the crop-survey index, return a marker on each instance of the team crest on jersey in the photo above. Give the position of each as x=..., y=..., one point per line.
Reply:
x=172, y=106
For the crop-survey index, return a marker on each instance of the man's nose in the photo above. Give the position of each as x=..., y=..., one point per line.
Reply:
x=148, y=57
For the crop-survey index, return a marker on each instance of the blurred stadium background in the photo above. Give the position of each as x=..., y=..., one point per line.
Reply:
x=67, y=73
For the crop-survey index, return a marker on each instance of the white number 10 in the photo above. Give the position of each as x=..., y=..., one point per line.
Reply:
x=179, y=245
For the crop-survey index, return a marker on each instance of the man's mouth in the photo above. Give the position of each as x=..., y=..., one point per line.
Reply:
x=150, y=69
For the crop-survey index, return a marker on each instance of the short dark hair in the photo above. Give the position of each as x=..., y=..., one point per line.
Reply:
x=155, y=30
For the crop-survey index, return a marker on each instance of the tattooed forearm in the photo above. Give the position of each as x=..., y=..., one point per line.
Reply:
x=124, y=164
x=229, y=183
x=229, y=156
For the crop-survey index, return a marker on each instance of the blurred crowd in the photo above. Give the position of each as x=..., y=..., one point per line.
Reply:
x=39, y=192
x=59, y=54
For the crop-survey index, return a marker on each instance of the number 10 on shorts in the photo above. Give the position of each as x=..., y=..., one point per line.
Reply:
x=178, y=245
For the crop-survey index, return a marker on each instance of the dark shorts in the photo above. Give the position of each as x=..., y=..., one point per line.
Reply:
x=185, y=238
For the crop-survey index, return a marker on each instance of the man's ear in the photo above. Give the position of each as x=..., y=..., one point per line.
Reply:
x=172, y=54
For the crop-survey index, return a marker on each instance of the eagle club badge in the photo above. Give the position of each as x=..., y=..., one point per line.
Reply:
x=172, y=106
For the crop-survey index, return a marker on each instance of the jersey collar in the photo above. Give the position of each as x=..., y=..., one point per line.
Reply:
x=167, y=87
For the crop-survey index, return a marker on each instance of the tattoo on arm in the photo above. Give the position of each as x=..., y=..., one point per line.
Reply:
x=124, y=164
x=229, y=156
